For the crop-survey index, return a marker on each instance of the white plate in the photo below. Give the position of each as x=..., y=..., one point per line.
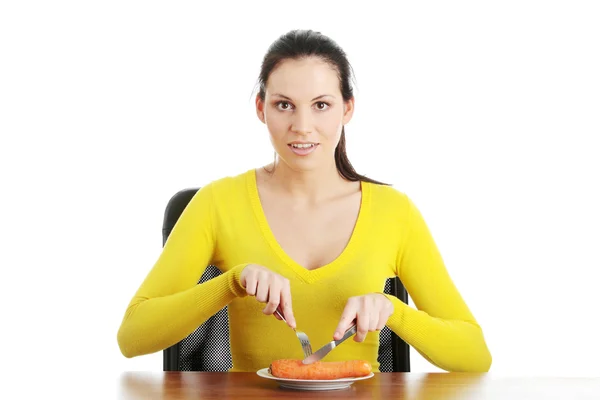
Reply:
x=311, y=384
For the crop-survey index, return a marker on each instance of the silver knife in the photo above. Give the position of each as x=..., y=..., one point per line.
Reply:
x=323, y=351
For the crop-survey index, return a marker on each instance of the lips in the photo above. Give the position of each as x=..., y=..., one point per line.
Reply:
x=303, y=148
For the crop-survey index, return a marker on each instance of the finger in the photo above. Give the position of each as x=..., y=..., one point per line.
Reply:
x=362, y=326
x=348, y=315
x=278, y=313
x=262, y=291
x=373, y=321
x=251, y=284
x=273, y=300
x=286, y=305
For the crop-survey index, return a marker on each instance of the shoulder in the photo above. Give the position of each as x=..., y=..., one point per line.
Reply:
x=219, y=188
x=393, y=205
x=229, y=185
x=388, y=197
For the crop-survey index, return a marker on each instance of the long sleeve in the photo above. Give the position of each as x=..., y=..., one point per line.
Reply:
x=170, y=304
x=442, y=328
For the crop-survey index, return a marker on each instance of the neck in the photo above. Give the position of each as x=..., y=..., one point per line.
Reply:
x=310, y=186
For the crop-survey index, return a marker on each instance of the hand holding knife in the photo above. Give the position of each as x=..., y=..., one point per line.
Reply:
x=323, y=351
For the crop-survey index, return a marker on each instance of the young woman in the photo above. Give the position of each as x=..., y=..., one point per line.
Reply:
x=306, y=235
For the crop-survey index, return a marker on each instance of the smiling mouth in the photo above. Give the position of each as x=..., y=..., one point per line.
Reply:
x=303, y=145
x=303, y=149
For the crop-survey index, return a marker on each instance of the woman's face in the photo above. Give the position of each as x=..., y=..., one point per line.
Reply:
x=304, y=112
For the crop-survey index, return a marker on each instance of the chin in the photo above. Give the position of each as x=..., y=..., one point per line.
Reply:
x=303, y=166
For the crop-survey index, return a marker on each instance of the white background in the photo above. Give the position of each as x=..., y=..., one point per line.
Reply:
x=486, y=114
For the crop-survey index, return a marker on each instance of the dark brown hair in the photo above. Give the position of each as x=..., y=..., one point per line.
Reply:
x=297, y=44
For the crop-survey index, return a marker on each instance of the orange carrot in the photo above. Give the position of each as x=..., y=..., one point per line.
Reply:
x=320, y=370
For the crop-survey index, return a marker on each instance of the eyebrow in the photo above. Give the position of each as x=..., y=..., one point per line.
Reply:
x=316, y=98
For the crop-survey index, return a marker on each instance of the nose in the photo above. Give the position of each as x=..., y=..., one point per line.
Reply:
x=302, y=123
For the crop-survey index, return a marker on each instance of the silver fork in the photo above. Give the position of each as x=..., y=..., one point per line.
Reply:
x=302, y=337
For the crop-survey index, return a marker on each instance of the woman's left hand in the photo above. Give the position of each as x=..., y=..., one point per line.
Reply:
x=370, y=311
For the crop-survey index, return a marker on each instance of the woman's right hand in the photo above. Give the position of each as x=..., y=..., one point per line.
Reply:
x=271, y=288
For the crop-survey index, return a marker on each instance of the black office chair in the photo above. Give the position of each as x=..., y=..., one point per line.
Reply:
x=207, y=348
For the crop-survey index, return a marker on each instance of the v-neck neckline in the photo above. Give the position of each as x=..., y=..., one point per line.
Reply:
x=305, y=274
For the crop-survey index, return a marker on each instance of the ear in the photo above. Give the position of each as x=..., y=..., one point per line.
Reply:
x=260, y=108
x=348, y=111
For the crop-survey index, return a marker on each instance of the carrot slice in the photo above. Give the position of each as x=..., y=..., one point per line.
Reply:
x=320, y=370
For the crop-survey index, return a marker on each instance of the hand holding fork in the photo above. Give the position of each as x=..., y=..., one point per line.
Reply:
x=273, y=289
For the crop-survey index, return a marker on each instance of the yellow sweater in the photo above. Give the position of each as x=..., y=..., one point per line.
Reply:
x=224, y=225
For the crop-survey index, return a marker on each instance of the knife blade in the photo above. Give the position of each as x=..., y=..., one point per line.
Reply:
x=323, y=351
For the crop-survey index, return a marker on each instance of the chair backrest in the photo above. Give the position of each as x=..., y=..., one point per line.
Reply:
x=207, y=348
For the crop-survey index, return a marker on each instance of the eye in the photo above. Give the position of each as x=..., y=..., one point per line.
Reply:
x=322, y=106
x=283, y=105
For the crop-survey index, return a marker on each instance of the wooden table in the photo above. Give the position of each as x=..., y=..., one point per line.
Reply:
x=432, y=386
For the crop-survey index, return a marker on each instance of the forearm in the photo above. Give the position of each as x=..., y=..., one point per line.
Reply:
x=152, y=324
x=452, y=345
